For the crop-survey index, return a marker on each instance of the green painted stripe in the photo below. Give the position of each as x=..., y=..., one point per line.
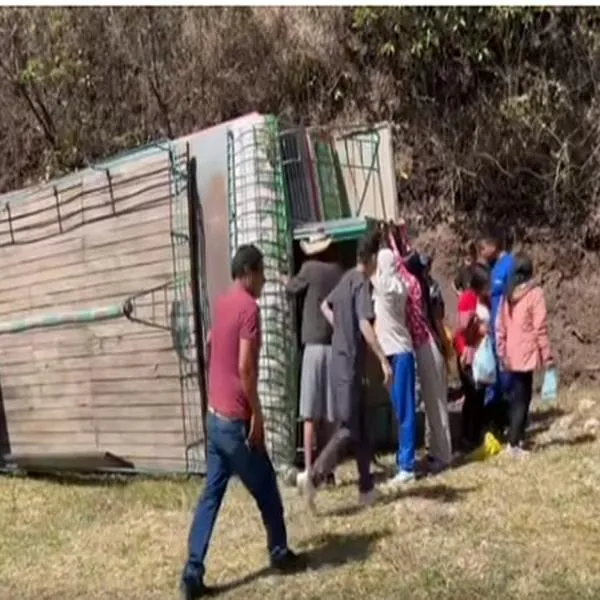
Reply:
x=91, y=315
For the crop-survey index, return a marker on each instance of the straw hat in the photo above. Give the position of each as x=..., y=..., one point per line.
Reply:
x=315, y=244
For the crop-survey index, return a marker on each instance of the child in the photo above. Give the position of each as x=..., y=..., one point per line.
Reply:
x=523, y=344
x=473, y=326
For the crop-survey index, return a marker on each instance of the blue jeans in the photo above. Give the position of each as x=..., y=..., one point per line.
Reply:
x=404, y=402
x=228, y=454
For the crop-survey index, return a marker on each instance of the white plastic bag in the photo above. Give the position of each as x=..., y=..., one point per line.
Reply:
x=550, y=386
x=484, y=363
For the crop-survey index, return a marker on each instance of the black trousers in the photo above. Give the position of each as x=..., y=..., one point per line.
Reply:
x=496, y=417
x=472, y=416
x=519, y=406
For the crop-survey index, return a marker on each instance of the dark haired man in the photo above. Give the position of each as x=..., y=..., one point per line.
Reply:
x=235, y=428
x=349, y=309
x=492, y=248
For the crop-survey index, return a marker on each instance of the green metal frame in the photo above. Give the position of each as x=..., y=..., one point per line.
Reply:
x=330, y=164
x=340, y=230
x=279, y=357
x=182, y=311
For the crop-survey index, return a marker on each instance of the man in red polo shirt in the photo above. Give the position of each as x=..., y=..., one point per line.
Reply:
x=235, y=428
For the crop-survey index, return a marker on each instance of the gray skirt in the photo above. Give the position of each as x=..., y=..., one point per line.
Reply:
x=316, y=402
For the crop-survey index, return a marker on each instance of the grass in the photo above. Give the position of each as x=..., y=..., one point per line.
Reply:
x=493, y=530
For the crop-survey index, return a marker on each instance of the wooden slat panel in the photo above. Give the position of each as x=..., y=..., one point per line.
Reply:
x=16, y=348
x=108, y=407
x=150, y=454
x=21, y=429
x=60, y=274
x=55, y=445
x=42, y=392
x=136, y=227
x=88, y=290
x=133, y=439
x=102, y=361
x=56, y=209
x=116, y=372
x=105, y=426
x=75, y=438
x=112, y=386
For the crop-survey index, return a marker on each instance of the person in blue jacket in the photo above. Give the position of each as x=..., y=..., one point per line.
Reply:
x=494, y=250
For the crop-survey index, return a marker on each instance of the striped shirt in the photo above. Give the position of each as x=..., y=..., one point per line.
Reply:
x=416, y=315
x=416, y=318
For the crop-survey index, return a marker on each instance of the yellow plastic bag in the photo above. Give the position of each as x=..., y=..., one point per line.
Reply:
x=491, y=447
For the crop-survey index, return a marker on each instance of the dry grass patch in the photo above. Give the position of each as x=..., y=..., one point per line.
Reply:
x=500, y=529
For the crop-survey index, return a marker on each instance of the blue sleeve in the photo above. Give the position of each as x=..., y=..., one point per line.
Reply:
x=501, y=275
x=510, y=264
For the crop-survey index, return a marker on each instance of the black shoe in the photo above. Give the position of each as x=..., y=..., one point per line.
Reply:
x=194, y=591
x=290, y=563
x=330, y=481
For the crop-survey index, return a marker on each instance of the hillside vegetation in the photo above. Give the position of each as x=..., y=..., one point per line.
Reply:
x=496, y=109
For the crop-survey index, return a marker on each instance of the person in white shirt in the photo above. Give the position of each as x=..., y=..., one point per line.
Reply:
x=389, y=296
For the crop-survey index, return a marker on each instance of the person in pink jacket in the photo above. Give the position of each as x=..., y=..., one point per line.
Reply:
x=523, y=344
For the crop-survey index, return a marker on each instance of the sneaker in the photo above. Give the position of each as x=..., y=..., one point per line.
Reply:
x=194, y=591
x=369, y=498
x=330, y=481
x=290, y=563
x=306, y=488
x=517, y=452
x=403, y=477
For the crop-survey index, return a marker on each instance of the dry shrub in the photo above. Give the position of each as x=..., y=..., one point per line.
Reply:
x=497, y=108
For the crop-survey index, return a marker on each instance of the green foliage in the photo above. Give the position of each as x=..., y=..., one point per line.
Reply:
x=499, y=105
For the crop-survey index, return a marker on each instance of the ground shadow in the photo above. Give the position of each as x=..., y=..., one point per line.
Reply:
x=333, y=550
x=541, y=421
x=326, y=551
x=439, y=493
x=578, y=440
